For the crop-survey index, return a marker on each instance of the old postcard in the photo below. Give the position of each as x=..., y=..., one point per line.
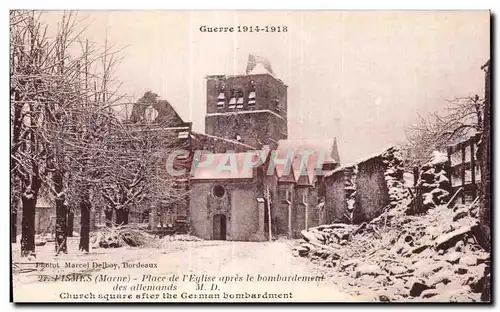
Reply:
x=250, y=156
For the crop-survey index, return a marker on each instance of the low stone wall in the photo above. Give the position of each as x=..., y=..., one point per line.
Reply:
x=361, y=192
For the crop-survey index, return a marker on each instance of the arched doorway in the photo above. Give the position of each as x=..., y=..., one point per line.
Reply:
x=219, y=230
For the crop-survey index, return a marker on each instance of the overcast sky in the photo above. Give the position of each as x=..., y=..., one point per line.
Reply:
x=358, y=76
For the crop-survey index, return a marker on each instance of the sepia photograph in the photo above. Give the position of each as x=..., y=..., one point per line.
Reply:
x=264, y=156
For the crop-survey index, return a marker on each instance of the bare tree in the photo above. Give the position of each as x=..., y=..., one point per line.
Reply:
x=95, y=129
x=65, y=132
x=140, y=151
x=54, y=116
x=29, y=61
x=463, y=118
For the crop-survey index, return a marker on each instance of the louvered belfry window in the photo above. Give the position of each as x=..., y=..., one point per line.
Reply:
x=251, y=95
x=221, y=100
x=232, y=100
x=251, y=98
x=239, y=100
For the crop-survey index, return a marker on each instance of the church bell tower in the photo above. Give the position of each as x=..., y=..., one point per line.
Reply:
x=251, y=108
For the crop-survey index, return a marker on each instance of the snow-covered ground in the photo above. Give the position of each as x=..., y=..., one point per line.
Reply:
x=211, y=258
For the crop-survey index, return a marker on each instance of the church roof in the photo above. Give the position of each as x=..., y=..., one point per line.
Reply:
x=228, y=166
x=319, y=151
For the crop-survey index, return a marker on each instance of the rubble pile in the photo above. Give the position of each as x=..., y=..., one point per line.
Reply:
x=181, y=238
x=118, y=236
x=400, y=257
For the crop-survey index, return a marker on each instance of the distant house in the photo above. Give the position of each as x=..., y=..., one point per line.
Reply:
x=45, y=217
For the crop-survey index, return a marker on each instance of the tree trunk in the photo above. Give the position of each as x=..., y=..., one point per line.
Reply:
x=152, y=218
x=93, y=219
x=119, y=216
x=108, y=213
x=28, y=225
x=71, y=223
x=13, y=225
x=85, y=224
x=16, y=127
x=61, y=214
x=125, y=216
x=122, y=216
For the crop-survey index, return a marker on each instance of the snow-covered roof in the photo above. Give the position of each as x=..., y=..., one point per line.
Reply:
x=365, y=159
x=258, y=65
x=438, y=157
x=320, y=151
x=259, y=69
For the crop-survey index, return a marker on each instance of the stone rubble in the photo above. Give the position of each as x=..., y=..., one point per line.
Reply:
x=398, y=257
x=393, y=160
x=433, y=185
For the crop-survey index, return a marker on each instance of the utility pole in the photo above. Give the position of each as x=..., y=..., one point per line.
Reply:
x=268, y=200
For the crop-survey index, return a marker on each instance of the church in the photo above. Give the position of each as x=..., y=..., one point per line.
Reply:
x=247, y=114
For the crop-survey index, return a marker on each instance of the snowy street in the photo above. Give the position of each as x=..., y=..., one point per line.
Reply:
x=228, y=263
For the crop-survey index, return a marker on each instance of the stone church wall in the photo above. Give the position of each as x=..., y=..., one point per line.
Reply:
x=244, y=216
x=280, y=217
x=299, y=210
x=313, y=217
x=238, y=204
x=217, y=145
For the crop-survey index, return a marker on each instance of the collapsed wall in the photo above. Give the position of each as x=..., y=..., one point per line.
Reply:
x=361, y=192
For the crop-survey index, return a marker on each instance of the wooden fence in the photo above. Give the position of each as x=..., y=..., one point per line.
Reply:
x=464, y=174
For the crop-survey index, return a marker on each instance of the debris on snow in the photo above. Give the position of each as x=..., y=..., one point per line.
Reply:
x=430, y=257
x=119, y=236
